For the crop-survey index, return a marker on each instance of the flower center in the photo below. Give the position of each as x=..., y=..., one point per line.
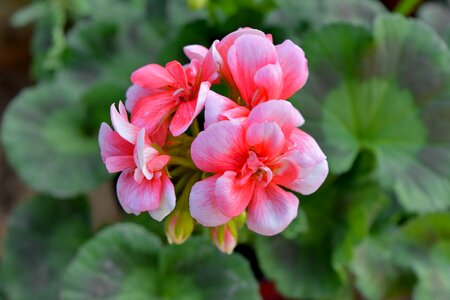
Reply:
x=256, y=169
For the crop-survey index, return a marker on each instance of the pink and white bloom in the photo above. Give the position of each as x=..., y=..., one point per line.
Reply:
x=251, y=159
x=174, y=91
x=143, y=185
x=260, y=70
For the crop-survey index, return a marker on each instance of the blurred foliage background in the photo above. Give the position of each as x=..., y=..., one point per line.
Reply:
x=377, y=101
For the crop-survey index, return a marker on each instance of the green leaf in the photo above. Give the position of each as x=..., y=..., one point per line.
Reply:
x=30, y=13
x=437, y=15
x=43, y=235
x=422, y=245
x=412, y=257
x=297, y=17
x=298, y=225
x=374, y=99
x=359, y=115
x=45, y=142
x=214, y=274
x=361, y=207
x=125, y=261
x=376, y=274
x=299, y=269
x=434, y=274
x=120, y=262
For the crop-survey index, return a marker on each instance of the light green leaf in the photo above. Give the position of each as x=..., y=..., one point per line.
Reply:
x=215, y=275
x=120, y=262
x=299, y=269
x=411, y=258
x=376, y=274
x=125, y=261
x=46, y=143
x=297, y=17
x=434, y=274
x=437, y=15
x=361, y=207
x=30, y=13
x=389, y=96
x=43, y=235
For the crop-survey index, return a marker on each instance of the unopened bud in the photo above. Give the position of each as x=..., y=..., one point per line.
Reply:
x=225, y=237
x=179, y=227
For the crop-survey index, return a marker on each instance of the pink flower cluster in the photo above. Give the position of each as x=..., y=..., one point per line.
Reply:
x=249, y=153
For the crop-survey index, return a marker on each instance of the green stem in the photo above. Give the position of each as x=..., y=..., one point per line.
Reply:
x=182, y=182
x=195, y=128
x=407, y=7
x=176, y=160
x=178, y=171
x=184, y=198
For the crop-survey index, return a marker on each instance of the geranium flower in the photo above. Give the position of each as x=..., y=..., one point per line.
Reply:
x=176, y=91
x=260, y=70
x=251, y=160
x=143, y=185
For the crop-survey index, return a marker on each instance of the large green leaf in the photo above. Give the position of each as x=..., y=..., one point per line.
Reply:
x=360, y=208
x=316, y=263
x=297, y=17
x=411, y=259
x=214, y=274
x=375, y=272
x=437, y=15
x=125, y=261
x=299, y=269
x=118, y=263
x=45, y=141
x=43, y=235
x=389, y=96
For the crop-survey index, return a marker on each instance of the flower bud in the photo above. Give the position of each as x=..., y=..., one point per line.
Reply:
x=197, y=4
x=225, y=237
x=179, y=227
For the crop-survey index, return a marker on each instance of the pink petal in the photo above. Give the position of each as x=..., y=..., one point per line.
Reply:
x=202, y=203
x=177, y=71
x=112, y=144
x=152, y=76
x=134, y=93
x=116, y=164
x=215, y=106
x=295, y=67
x=168, y=199
x=120, y=123
x=232, y=194
x=249, y=54
x=159, y=136
x=145, y=154
x=311, y=161
x=197, y=52
x=151, y=112
x=221, y=147
x=279, y=111
x=138, y=197
x=266, y=138
x=270, y=81
x=210, y=65
x=224, y=45
x=158, y=163
x=271, y=210
x=188, y=111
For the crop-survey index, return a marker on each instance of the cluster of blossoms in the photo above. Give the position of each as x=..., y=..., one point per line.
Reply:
x=238, y=168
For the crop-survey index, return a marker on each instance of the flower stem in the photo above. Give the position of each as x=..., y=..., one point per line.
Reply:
x=195, y=128
x=176, y=160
